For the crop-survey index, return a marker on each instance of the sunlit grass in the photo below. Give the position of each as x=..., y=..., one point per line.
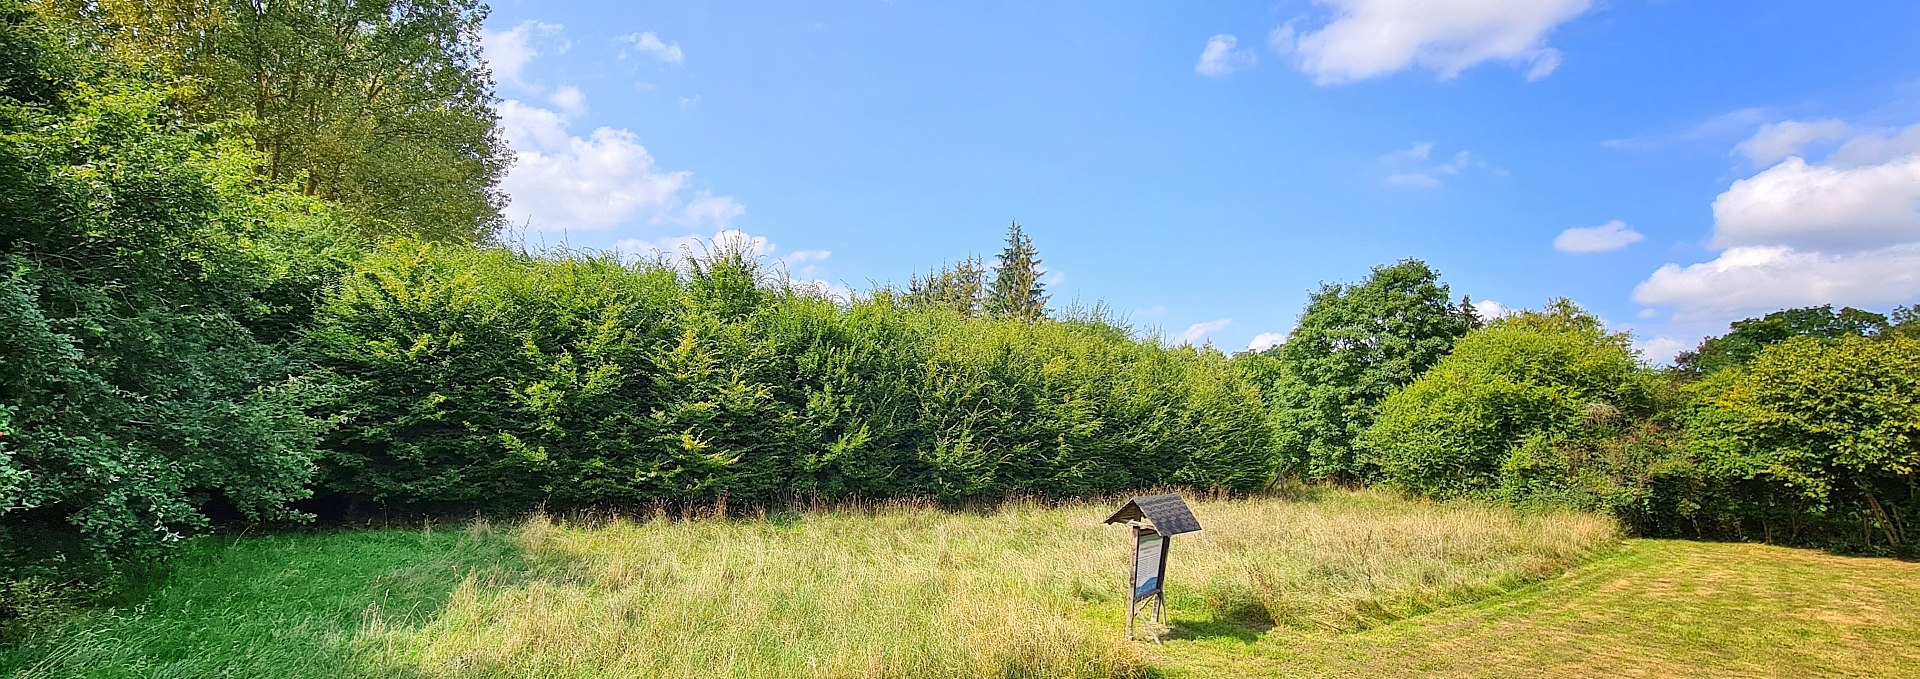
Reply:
x=1023, y=590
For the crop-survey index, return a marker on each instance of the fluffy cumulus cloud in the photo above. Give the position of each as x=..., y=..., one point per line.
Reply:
x=1198, y=332
x=1372, y=38
x=1827, y=206
x=507, y=52
x=1222, y=56
x=570, y=100
x=562, y=182
x=1267, y=340
x=651, y=45
x=1603, y=238
x=1414, y=166
x=1753, y=279
x=1843, y=229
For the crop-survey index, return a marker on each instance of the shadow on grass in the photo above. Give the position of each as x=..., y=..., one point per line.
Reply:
x=1200, y=630
x=292, y=605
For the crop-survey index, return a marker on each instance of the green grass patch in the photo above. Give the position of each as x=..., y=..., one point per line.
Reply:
x=1338, y=584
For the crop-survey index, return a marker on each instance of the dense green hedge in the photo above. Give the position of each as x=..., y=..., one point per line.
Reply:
x=504, y=379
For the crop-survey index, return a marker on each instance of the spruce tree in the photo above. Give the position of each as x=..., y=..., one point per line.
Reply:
x=1017, y=289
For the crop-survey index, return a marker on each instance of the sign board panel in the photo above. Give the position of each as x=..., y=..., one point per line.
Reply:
x=1148, y=561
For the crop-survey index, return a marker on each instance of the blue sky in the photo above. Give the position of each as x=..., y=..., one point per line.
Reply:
x=1671, y=165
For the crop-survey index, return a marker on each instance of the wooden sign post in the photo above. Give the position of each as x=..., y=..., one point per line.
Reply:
x=1155, y=519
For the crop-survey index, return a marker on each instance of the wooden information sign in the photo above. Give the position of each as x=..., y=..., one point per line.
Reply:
x=1155, y=519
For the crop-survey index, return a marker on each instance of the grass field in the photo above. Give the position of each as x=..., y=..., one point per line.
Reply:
x=1337, y=584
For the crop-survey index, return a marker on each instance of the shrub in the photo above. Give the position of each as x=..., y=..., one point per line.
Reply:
x=145, y=289
x=1513, y=409
x=487, y=377
x=1816, y=439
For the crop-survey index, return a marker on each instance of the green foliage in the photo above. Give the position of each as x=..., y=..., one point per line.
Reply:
x=145, y=289
x=960, y=287
x=1823, y=436
x=1017, y=290
x=1748, y=337
x=1356, y=344
x=504, y=379
x=1517, y=410
x=382, y=106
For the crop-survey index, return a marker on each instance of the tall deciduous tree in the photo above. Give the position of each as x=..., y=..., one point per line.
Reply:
x=1747, y=338
x=1357, y=343
x=1018, y=291
x=383, y=106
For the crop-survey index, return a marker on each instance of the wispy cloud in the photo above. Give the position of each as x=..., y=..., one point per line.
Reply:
x=1222, y=56
x=651, y=45
x=1606, y=237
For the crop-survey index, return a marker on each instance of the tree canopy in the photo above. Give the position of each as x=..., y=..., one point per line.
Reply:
x=1510, y=398
x=1746, y=338
x=1355, y=344
x=382, y=106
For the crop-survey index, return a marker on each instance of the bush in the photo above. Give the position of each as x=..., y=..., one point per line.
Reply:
x=146, y=287
x=1815, y=441
x=493, y=378
x=1517, y=411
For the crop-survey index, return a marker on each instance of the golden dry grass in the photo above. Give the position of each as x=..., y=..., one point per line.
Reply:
x=1339, y=584
x=1024, y=590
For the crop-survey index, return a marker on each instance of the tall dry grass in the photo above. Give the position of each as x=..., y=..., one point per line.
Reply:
x=1022, y=591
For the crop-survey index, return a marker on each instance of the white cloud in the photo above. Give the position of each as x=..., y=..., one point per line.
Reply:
x=1661, y=350
x=561, y=183
x=1221, y=57
x=1489, y=309
x=694, y=244
x=1410, y=167
x=1266, y=340
x=1749, y=279
x=1371, y=38
x=507, y=52
x=531, y=127
x=1842, y=230
x=1199, y=331
x=1826, y=207
x=570, y=100
x=591, y=184
x=1874, y=147
x=1775, y=141
x=718, y=211
x=650, y=44
x=1606, y=237
x=688, y=102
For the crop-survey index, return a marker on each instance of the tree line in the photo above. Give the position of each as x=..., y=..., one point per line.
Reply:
x=1800, y=427
x=250, y=273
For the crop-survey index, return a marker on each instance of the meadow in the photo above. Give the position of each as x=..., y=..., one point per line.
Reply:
x=900, y=589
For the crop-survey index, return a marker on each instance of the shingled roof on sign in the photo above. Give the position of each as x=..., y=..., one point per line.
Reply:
x=1168, y=513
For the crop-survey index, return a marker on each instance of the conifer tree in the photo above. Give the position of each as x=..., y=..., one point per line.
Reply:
x=1017, y=289
x=961, y=287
